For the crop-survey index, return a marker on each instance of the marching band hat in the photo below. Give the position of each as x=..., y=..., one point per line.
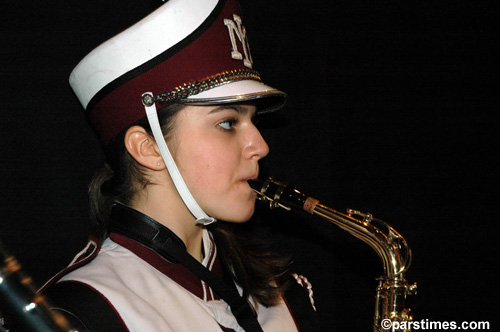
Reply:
x=186, y=51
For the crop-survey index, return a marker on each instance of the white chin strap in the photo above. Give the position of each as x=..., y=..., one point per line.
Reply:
x=201, y=217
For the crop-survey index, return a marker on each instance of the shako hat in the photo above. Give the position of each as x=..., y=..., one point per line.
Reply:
x=188, y=51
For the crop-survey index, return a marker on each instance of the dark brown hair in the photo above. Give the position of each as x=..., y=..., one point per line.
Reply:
x=252, y=263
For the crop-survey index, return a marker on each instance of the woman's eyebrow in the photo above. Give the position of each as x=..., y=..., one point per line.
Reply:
x=236, y=108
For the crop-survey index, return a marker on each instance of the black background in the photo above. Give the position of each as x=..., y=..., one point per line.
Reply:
x=393, y=110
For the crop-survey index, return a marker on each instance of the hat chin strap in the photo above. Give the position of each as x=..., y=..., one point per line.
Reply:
x=201, y=217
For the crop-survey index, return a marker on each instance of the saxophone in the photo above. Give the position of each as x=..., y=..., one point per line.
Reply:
x=393, y=288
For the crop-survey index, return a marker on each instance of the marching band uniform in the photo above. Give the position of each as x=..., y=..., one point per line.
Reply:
x=138, y=290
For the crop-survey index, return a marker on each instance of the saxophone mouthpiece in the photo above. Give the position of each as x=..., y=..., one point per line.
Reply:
x=279, y=194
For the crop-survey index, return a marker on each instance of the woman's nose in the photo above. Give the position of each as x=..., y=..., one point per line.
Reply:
x=255, y=147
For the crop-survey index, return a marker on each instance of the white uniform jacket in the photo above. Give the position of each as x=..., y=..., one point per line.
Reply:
x=147, y=293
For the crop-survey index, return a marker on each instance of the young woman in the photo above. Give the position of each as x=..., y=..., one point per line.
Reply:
x=173, y=100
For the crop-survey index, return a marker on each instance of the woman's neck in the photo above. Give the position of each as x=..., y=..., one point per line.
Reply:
x=168, y=209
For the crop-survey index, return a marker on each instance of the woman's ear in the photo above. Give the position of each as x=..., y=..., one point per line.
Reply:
x=143, y=148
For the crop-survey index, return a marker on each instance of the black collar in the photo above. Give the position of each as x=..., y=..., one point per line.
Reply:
x=143, y=229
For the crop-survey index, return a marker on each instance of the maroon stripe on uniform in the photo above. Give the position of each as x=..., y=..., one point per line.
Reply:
x=176, y=272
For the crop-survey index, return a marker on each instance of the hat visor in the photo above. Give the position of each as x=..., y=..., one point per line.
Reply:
x=268, y=99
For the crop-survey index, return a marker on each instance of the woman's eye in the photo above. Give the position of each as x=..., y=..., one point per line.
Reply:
x=227, y=124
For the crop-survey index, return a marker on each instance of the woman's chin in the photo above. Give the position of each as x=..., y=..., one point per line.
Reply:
x=240, y=215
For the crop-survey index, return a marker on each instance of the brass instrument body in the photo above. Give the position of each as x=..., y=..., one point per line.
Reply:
x=391, y=247
x=27, y=310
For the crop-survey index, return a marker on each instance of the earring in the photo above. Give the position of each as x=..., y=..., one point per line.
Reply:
x=159, y=164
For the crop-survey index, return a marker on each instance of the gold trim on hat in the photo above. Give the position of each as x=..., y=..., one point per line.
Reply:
x=194, y=88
